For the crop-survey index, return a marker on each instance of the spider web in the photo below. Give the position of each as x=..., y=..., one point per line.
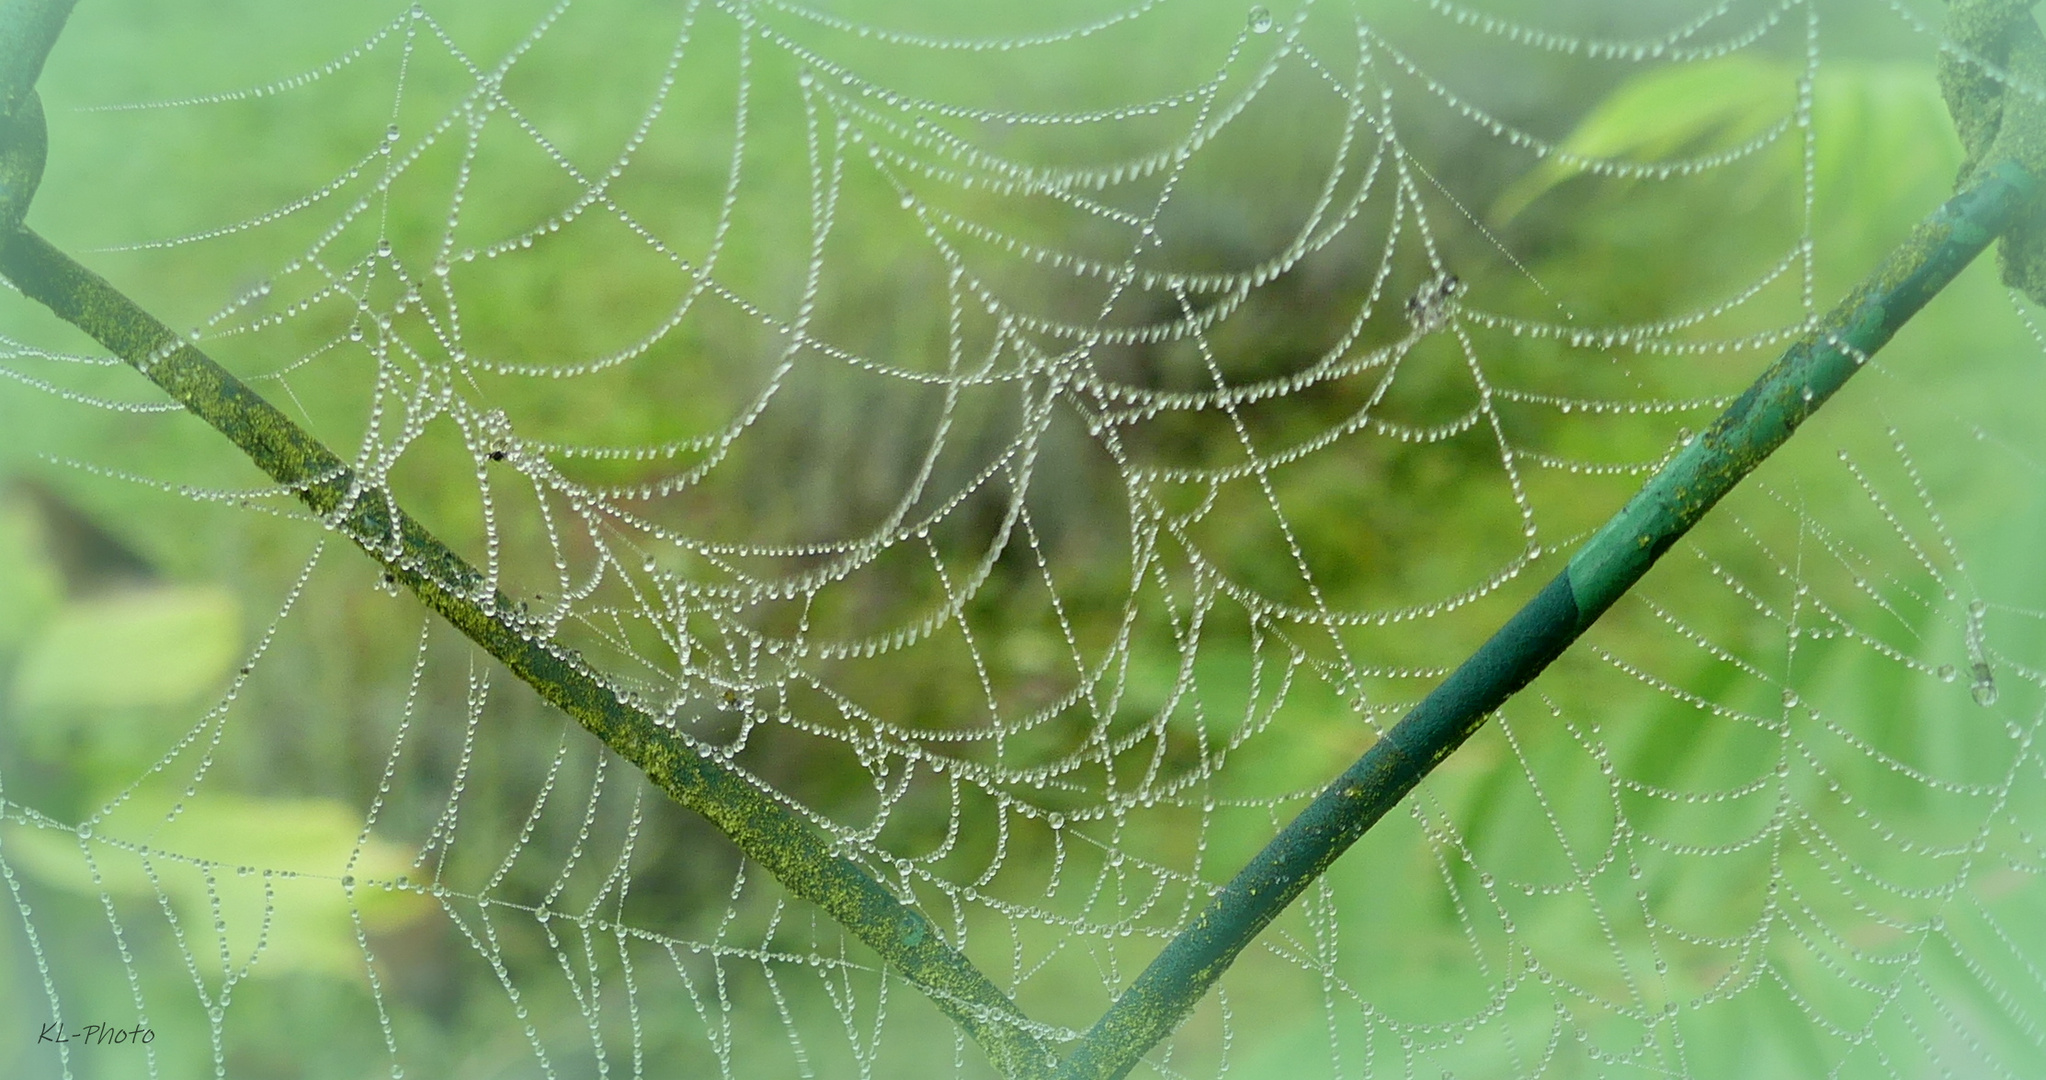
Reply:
x=1042, y=444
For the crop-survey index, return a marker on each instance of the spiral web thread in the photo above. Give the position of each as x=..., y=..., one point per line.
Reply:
x=1044, y=477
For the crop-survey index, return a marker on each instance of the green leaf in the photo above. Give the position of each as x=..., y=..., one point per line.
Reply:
x=161, y=646
x=1671, y=113
x=303, y=847
x=1885, y=144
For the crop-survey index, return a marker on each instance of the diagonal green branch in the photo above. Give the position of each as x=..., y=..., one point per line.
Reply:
x=1608, y=564
x=764, y=829
x=767, y=832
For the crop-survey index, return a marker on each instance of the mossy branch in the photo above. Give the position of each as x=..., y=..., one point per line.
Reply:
x=763, y=828
x=28, y=28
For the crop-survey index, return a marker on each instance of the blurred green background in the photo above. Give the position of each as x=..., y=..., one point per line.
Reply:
x=1495, y=931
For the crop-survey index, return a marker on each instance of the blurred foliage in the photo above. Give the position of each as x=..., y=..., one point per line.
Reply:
x=99, y=682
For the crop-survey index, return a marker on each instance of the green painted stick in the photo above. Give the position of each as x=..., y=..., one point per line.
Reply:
x=1602, y=570
x=767, y=832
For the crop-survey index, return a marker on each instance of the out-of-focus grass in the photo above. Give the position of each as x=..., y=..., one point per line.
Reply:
x=1389, y=526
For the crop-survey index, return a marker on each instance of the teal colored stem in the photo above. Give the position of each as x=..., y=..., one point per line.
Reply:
x=1602, y=570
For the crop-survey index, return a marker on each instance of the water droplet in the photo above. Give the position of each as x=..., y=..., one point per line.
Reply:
x=1790, y=698
x=1947, y=673
x=384, y=248
x=355, y=332
x=391, y=133
x=908, y=200
x=1260, y=20
x=1978, y=608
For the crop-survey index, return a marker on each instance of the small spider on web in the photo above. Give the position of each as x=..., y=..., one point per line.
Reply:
x=1428, y=310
